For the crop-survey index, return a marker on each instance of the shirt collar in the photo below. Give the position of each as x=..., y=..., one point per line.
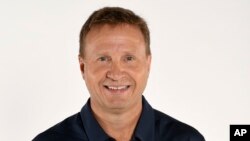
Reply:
x=144, y=130
x=145, y=126
x=92, y=128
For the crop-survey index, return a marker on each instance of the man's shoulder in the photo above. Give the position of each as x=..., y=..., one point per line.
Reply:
x=70, y=129
x=173, y=129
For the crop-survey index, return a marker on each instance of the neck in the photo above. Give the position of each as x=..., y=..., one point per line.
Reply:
x=119, y=125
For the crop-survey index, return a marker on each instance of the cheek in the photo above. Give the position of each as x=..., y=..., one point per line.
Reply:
x=95, y=72
x=138, y=72
x=94, y=76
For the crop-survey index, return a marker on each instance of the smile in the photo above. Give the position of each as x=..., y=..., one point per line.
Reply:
x=117, y=88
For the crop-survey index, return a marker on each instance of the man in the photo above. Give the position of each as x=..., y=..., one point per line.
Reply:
x=115, y=59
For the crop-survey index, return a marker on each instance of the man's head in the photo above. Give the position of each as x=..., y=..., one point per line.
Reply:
x=115, y=58
x=114, y=16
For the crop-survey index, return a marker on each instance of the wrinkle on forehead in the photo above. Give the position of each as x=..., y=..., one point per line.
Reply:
x=115, y=31
x=120, y=37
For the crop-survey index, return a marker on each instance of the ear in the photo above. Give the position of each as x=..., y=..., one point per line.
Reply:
x=81, y=63
x=149, y=58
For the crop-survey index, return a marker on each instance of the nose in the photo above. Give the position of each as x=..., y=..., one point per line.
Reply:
x=116, y=71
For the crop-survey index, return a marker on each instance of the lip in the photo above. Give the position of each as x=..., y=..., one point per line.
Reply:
x=114, y=89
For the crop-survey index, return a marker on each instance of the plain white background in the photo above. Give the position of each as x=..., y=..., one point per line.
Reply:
x=200, y=69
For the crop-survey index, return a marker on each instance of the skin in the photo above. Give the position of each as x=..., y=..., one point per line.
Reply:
x=115, y=68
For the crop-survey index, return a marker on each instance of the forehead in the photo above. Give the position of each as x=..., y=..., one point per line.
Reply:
x=108, y=30
x=124, y=36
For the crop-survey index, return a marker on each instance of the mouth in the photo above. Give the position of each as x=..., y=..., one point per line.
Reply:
x=117, y=89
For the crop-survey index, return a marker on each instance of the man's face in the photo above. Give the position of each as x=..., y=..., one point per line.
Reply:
x=115, y=66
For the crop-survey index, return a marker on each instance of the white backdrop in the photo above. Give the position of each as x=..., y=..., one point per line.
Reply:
x=200, y=71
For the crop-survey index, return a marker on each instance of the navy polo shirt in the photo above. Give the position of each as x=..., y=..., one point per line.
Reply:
x=152, y=126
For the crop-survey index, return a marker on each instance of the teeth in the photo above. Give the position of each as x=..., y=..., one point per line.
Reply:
x=117, y=88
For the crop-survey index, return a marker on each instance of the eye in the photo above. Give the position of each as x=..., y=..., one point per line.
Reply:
x=103, y=58
x=129, y=58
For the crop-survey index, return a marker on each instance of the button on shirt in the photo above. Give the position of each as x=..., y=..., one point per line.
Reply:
x=152, y=126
